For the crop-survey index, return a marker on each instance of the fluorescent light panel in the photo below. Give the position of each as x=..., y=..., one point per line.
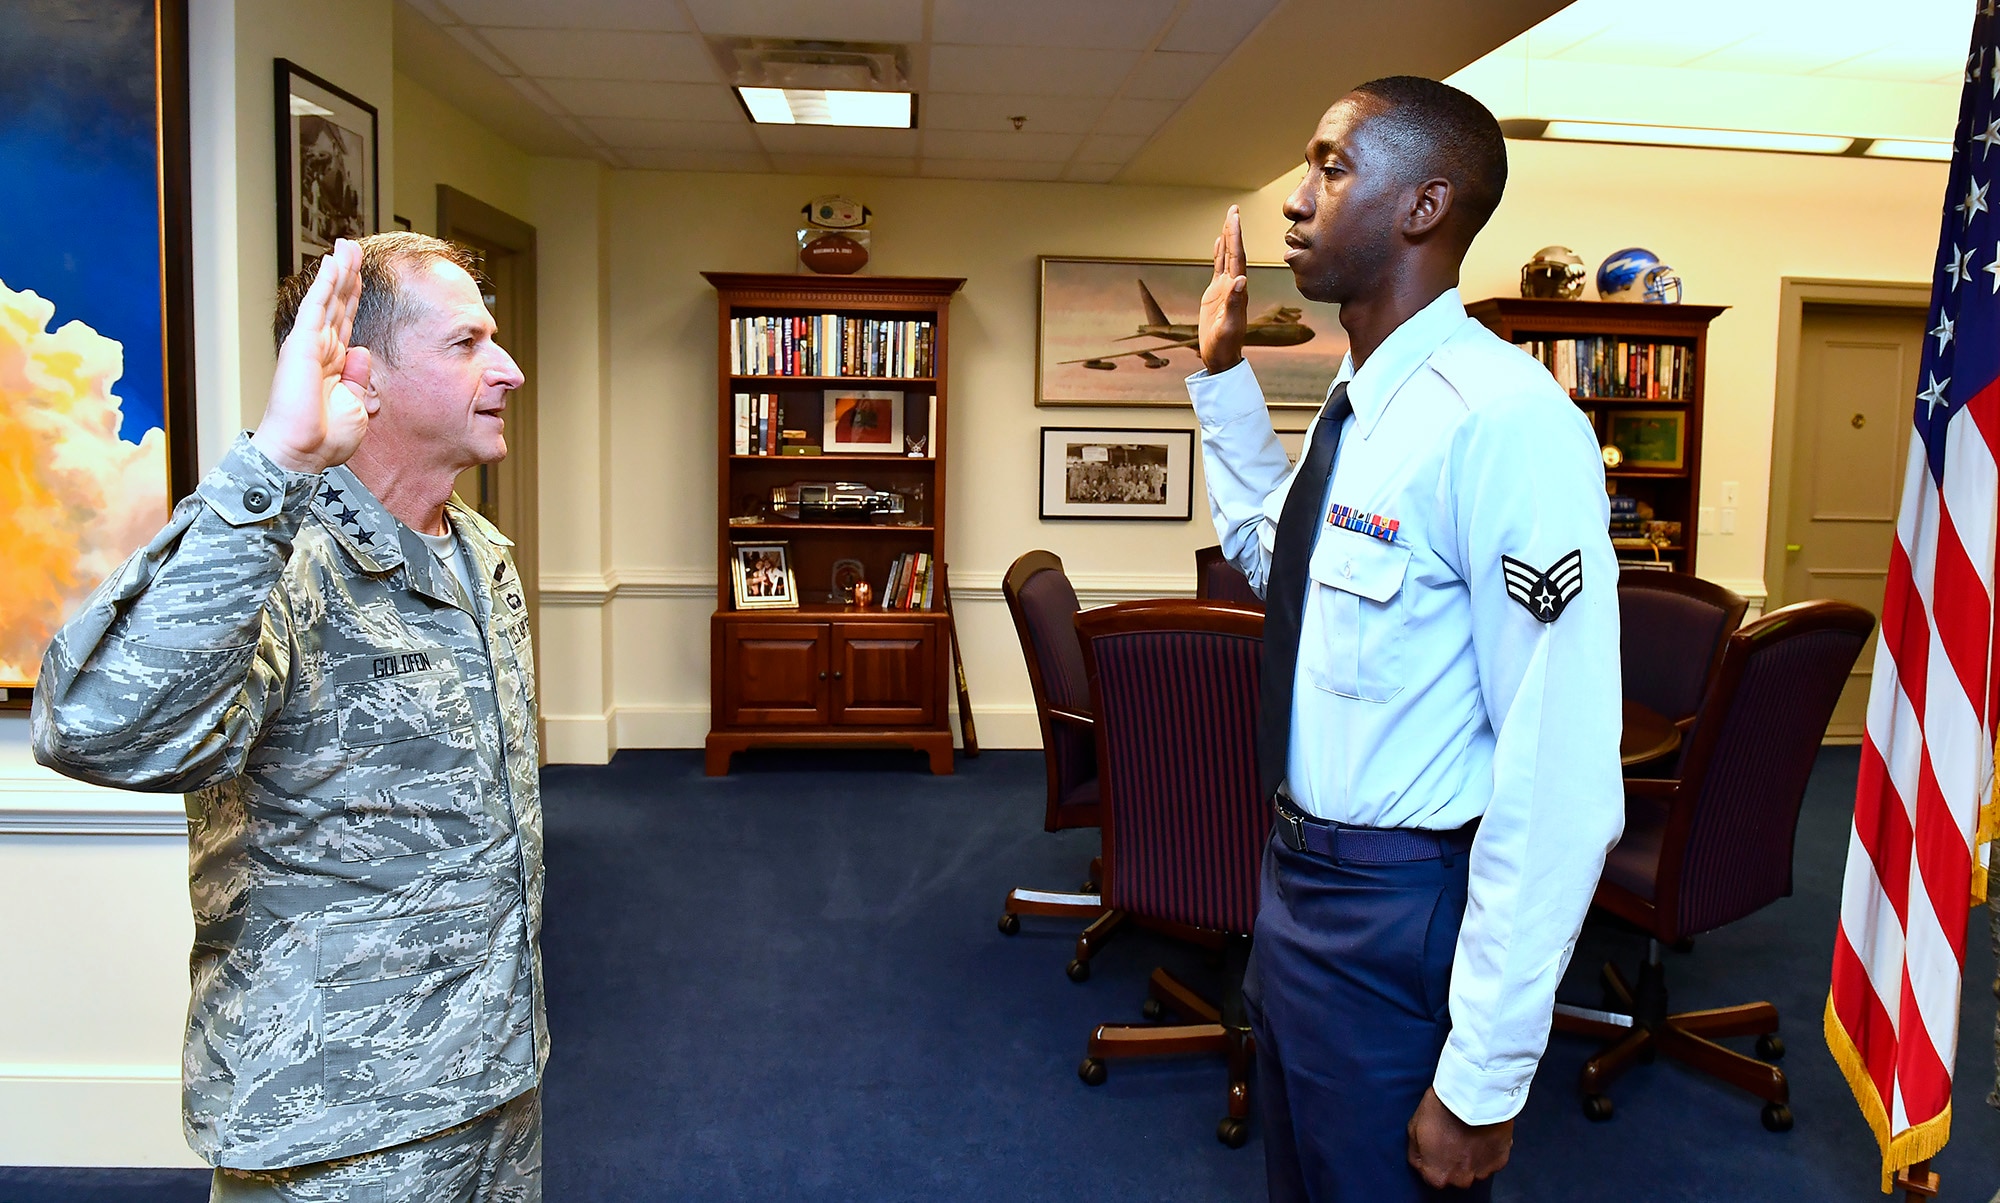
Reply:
x=825, y=106
x=1681, y=135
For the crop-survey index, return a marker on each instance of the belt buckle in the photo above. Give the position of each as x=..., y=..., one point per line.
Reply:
x=1291, y=829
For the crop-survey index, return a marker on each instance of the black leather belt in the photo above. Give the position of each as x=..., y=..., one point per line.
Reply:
x=1367, y=845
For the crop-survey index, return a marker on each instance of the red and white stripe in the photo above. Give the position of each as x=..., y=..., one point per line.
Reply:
x=1926, y=773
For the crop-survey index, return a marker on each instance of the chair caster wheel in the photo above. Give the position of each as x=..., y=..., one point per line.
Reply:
x=1152, y=1010
x=1009, y=923
x=1777, y=1117
x=1771, y=1046
x=1091, y=1071
x=1079, y=971
x=1232, y=1132
x=1596, y=1108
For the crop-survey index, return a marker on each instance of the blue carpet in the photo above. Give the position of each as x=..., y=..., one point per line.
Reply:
x=786, y=984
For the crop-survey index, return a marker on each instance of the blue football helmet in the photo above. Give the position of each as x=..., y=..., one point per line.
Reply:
x=1636, y=274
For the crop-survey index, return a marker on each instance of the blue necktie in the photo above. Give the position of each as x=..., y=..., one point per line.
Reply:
x=1285, y=590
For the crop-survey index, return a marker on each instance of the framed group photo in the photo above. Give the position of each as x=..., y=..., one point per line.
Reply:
x=328, y=162
x=1119, y=474
x=761, y=576
x=1122, y=332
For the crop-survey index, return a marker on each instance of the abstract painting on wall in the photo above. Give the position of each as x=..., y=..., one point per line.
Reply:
x=96, y=434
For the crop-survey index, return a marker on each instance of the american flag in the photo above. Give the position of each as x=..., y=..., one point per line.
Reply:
x=1923, y=811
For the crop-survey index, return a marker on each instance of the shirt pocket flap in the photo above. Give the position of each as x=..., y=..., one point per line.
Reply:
x=385, y=710
x=375, y=949
x=1357, y=564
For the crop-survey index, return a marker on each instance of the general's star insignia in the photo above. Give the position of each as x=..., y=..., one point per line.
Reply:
x=1544, y=594
x=348, y=517
x=329, y=495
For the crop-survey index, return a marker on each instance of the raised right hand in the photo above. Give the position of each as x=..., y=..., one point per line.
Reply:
x=315, y=418
x=1225, y=306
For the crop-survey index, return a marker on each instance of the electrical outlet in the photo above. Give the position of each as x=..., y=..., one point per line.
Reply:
x=1729, y=492
x=1707, y=524
x=1728, y=524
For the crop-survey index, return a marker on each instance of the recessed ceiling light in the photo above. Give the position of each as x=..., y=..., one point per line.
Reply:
x=1684, y=135
x=829, y=106
x=1908, y=148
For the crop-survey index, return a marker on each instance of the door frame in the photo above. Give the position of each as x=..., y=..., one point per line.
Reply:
x=1794, y=294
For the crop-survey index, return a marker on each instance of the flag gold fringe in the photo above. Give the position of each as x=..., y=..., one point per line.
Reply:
x=1900, y=1150
x=1982, y=839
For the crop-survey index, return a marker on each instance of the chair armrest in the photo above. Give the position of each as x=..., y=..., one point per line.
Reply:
x=1069, y=716
x=1659, y=788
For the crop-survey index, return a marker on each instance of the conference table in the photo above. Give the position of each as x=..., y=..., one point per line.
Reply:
x=1648, y=735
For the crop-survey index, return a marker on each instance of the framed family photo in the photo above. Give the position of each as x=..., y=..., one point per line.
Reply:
x=1122, y=332
x=761, y=575
x=328, y=158
x=862, y=421
x=1120, y=474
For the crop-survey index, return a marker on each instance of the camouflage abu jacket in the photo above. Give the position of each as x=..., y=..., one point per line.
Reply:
x=356, y=740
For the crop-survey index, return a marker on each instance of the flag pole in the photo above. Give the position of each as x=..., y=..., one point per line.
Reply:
x=1917, y=1182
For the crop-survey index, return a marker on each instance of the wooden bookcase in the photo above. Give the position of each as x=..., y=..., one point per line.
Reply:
x=829, y=673
x=1671, y=494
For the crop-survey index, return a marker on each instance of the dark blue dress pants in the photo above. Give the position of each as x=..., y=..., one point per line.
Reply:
x=1347, y=988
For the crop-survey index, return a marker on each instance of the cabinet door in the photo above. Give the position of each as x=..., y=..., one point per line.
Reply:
x=885, y=674
x=774, y=674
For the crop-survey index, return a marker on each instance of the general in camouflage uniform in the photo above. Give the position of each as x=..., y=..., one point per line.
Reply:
x=354, y=727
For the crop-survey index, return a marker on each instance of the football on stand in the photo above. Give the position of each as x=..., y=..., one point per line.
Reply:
x=834, y=255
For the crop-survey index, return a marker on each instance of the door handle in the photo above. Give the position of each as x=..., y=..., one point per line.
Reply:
x=1858, y=421
x=1795, y=547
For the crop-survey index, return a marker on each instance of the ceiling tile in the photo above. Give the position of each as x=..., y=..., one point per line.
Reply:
x=636, y=98
x=988, y=169
x=1071, y=24
x=1012, y=70
x=847, y=20
x=1170, y=75
x=1011, y=146
x=1045, y=114
x=598, y=54
x=695, y=160
x=570, y=14
x=835, y=140
x=469, y=38
x=1110, y=148
x=1128, y=116
x=843, y=165
x=1092, y=173
x=625, y=132
x=1216, y=26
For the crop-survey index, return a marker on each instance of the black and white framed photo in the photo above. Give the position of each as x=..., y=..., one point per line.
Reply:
x=328, y=156
x=761, y=576
x=1124, y=474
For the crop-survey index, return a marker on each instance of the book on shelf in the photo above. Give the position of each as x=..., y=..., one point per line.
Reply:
x=1603, y=366
x=827, y=344
x=758, y=430
x=910, y=585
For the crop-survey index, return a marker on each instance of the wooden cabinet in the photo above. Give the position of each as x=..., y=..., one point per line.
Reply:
x=829, y=673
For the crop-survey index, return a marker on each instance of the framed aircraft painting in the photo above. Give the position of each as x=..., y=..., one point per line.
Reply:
x=1122, y=332
x=96, y=335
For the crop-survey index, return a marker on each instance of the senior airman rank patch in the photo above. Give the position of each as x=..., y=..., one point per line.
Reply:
x=1545, y=594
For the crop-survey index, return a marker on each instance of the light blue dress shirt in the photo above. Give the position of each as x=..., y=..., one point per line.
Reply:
x=1427, y=695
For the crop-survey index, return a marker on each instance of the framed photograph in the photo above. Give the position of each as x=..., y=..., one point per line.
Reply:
x=847, y=573
x=1124, y=474
x=1122, y=332
x=1648, y=438
x=328, y=155
x=865, y=421
x=761, y=574
x=96, y=304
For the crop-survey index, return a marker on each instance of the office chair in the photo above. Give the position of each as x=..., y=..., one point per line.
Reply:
x=1216, y=579
x=1716, y=845
x=1671, y=632
x=1173, y=685
x=1044, y=607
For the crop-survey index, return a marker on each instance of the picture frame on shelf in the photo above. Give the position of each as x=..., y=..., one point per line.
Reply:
x=761, y=576
x=329, y=159
x=1648, y=438
x=1119, y=474
x=1121, y=332
x=847, y=573
x=862, y=422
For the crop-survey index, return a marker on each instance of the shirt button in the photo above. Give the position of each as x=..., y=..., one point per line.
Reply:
x=1347, y=569
x=256, y=500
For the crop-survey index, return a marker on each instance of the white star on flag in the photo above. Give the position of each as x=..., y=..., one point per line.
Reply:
x=1943, y=332
x=1988, y=139
x=1994, y=269
x=1934, y=396
x=1959, y=266
x=1975, y=200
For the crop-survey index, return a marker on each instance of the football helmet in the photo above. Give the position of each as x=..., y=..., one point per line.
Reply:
x=1555, y=273
x=1636, y=274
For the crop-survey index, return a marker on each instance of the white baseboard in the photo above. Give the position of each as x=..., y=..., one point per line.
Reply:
x=92, y=1115
x=576, y=739
x=660, y=725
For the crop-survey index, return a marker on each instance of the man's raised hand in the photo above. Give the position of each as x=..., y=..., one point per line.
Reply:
x=315, y=418
x=1225, y=305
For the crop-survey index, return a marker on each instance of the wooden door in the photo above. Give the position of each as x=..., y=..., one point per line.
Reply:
x=775, y=674
x=885, y=674
x=1857, y=386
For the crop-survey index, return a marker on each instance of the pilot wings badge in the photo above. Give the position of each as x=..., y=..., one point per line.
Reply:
x=1545, y=594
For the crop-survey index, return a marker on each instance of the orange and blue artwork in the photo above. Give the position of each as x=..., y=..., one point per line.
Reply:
x=84, y=477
